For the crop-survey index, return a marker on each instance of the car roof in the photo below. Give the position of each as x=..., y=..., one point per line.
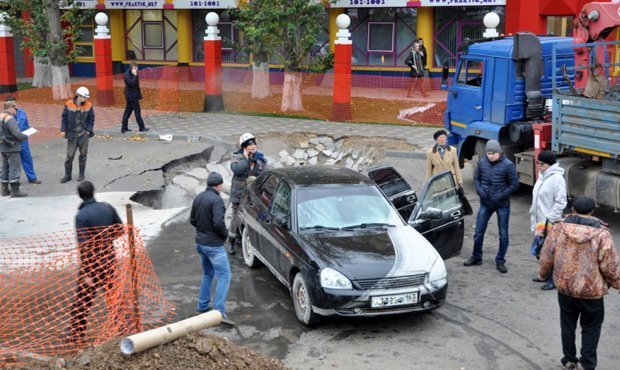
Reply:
x=302, y=176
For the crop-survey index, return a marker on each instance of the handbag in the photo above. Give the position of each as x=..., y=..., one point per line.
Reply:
x=538, y=242
x=466, y=205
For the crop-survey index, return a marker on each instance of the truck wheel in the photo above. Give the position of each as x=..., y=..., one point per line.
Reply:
x=479, y=152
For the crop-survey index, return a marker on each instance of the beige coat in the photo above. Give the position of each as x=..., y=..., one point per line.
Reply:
x=450, y=162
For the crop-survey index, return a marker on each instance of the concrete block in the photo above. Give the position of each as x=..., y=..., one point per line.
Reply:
x=327, y=152
x=313, y=160
x=283, y=153
x=303, y=144
x=314, y=141
x=320, y=147
x=300, y=154
x=290, y=161
x=312, y=153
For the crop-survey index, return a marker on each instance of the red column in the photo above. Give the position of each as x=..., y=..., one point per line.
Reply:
x=214, y=100
x=8, y=77
x=103, y=62
x=343, y=48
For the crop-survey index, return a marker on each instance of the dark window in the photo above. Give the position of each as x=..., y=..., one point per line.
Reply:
x=267, y=190
x=470, y=73
x=281, y=204
x=381, y=36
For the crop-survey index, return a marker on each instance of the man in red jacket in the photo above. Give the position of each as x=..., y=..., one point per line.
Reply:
x=581, y=252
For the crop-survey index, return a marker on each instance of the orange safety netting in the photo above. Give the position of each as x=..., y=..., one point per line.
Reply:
x=378, y=98
x=58, y=295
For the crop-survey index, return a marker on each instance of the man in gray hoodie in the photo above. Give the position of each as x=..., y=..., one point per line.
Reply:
x=548, y=199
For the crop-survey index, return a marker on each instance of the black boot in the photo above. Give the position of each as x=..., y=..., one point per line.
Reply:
x=15, y=193
x=82, y=168
x=230, y=245
x=5, y=189
x=68, y=169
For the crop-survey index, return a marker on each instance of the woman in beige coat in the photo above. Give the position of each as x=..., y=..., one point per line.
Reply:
x=442, y=157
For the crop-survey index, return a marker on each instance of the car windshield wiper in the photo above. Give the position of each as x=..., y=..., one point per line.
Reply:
x=319, y=227
x=368, y=225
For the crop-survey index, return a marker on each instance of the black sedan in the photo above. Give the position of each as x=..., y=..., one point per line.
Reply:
x=332, y=236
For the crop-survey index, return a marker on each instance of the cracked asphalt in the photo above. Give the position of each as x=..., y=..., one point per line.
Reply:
x=490, y=320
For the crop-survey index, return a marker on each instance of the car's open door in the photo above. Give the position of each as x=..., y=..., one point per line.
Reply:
x=396, y=188
x=438, y=215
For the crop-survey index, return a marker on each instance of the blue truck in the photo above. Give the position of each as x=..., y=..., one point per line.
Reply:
x=520, y=91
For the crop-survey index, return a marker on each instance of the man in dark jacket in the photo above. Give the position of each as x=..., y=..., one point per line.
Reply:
x=78, y=122
x=97, y=225
x=207, y=216
x=496, y=180
x=11, y=164
x=580, y=251
x=132, y=97
x=245, y=163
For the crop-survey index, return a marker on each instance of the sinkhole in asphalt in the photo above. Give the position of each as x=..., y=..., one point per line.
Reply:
x=184, y=178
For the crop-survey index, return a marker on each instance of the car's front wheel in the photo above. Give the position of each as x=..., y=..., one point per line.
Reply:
x=248, y=249
x=302, y=301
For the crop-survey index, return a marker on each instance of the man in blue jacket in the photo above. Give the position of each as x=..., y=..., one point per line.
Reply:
x=26, y=156
x=207, y=216
x=496, y=180
x=132, y=98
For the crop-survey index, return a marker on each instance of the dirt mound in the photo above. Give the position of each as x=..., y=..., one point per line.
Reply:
x=194, y=351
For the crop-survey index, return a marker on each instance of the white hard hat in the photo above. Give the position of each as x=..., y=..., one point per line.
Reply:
x=245, y=137
x=83, y=91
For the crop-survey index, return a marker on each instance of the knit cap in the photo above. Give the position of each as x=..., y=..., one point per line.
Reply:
x=214, y=179
x=493, y=147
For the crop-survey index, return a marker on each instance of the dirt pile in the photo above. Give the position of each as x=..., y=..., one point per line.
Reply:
x=194, y=351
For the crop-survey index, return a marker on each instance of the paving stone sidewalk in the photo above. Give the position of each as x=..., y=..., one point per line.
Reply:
x=226, y=128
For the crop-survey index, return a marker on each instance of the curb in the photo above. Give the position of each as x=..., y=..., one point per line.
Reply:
x=405, y=154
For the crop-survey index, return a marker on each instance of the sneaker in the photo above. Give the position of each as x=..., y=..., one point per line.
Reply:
x=35, y=181
x=472, y=261
x=501, y=267
x=227, y=321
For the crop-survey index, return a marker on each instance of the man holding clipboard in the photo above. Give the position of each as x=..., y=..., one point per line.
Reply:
x=26, y=156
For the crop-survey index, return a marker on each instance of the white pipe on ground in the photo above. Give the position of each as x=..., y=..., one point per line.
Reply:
x=154, y=337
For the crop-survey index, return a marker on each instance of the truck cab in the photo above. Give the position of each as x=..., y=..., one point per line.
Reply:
x=499, y=89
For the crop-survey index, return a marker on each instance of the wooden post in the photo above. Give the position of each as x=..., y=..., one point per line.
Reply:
x=134, y=273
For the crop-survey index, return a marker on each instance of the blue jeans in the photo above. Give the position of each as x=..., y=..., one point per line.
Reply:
x=214, y=264
x=482, y=220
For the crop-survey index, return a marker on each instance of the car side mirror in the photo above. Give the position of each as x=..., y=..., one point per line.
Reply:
x=430, y=214
x=445, y=72
x=281, y=220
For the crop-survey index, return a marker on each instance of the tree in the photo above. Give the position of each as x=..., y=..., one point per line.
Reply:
x=258, y=40
x=286, y=30
x=50, y=43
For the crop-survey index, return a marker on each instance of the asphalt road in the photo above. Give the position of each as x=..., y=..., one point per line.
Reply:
x=490, y=320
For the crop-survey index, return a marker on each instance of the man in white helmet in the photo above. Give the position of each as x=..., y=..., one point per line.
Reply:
x=245, y=162
x=78, y=121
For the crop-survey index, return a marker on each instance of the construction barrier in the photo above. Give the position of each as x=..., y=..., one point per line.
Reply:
x=60, y=292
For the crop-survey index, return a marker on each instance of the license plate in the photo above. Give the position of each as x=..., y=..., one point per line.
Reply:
x=394, y=300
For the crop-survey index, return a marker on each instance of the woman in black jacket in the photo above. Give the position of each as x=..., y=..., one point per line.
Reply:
x=132, y=96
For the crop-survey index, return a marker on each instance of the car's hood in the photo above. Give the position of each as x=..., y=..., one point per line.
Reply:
x=374, y=253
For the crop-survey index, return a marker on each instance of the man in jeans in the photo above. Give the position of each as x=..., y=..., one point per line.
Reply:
x=207, y=216
x=496, y=180
x=580, y=251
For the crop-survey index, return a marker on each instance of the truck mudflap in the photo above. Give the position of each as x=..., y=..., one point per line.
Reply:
x=586, y=126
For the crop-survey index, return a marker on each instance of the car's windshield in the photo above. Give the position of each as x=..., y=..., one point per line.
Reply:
x=341, y=207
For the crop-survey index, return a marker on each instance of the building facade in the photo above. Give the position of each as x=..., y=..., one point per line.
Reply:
x=170, y=32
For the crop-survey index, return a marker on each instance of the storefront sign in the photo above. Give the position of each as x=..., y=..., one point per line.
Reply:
x=134, y=4
x=82, y=4
x=462, y=2
x=406, y=3
x=202, y=4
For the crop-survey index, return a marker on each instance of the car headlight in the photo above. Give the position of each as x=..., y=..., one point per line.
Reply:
x=438, y=276
x=332, y=279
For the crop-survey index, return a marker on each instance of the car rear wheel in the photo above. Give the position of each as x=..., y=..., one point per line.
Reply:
x=302, y=301
x=248, y=249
